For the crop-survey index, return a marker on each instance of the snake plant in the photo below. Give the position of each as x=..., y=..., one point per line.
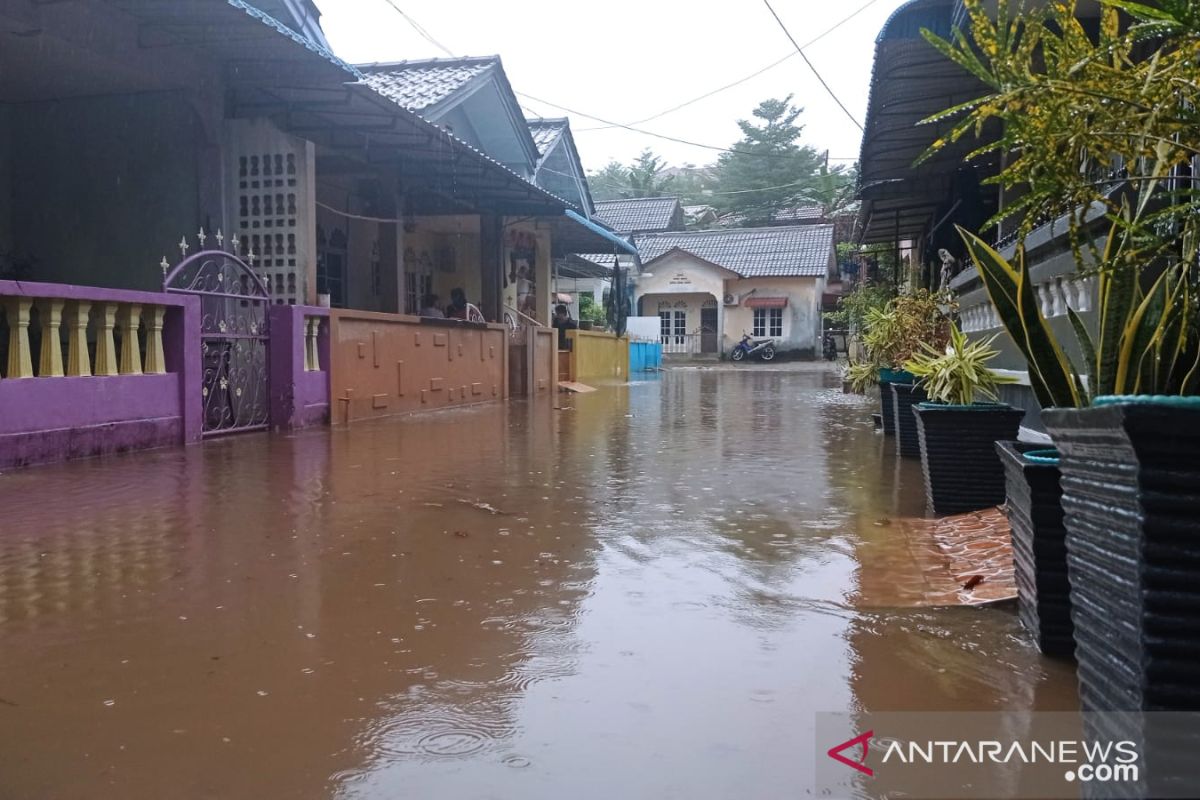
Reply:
x=1145, y=342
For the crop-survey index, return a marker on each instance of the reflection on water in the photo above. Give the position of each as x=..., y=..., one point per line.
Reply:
x=645, y=594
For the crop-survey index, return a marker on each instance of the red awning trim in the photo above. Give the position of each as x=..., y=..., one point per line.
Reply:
x=766, y=302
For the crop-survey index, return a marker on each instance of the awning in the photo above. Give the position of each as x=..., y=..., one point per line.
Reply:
x=563, y=297
x=603, y=232
x=767, y=302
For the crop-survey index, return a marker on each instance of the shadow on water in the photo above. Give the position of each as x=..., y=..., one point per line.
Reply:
x=646, y=593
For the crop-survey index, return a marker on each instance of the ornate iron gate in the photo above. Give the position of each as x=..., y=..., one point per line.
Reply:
x=234, y=338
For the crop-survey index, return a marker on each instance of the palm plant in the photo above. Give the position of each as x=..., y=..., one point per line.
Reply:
x=959, y=374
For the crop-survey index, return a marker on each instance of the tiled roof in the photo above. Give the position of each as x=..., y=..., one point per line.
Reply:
x=638, y=214
x=602, y=259
x=801, y=251
x=799, y=214
x=418, y=85
x=546, y=132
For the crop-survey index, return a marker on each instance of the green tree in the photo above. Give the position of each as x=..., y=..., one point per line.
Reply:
x=611, y=182
x=769, y=168
x=646, y=177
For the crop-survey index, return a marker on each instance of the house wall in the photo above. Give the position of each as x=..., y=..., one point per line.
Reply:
x=801, y=318
x=103, y=187
x=688, y=303
x=6, y=162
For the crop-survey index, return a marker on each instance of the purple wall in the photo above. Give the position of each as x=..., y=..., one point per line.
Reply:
x=298, y=398
x=51, y=419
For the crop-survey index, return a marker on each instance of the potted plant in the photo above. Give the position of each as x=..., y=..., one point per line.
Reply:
x=1127, y=425
x=956, y=431
x=892, y=335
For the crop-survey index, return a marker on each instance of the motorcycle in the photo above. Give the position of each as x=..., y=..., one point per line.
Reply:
x=749, y=346
x=829, y=347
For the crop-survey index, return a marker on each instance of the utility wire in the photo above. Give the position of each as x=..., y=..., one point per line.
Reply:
x=752, y=75
x=800, y=50
x=416, y=26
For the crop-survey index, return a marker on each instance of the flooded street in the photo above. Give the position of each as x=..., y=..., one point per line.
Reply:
x=647, y=593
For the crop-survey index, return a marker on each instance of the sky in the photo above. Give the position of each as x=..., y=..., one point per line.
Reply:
x=627, y=60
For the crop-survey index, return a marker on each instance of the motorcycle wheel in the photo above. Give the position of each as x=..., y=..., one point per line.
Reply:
x=768, y=353
x=738, y=354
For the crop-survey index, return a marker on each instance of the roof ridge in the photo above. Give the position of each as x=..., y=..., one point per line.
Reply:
x=437, y=61
x=769, y=229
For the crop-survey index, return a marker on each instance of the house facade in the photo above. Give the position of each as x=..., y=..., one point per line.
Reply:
x=183, y=184
x=708, y=288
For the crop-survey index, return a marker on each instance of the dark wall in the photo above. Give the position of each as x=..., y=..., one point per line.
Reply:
x=104, y=187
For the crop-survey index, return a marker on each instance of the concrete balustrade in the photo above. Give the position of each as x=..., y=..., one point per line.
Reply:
x=114, y=370
x=1054, y=297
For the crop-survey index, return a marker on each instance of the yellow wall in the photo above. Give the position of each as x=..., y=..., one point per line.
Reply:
x=598, y=356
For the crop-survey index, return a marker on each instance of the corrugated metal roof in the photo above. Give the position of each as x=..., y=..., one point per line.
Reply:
x=801, y=251
x=419, y=85
x=641, y=214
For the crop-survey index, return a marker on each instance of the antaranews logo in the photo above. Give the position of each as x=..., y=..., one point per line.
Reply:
x=863, y=741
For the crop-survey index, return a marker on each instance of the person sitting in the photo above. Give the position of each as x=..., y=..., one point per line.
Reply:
x=429, y=307
x=563, y=322
x=458, y=305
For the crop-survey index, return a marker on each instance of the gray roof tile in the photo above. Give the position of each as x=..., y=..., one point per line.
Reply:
x=638, y=214
x=546, y=132
x=800, y=251
x=418, y=85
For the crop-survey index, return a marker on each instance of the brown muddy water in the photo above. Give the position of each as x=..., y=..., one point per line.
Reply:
x=648, y=593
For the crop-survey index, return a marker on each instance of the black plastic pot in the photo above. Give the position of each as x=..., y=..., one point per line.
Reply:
x=904, y=397
x=1131, y=498
x=957, y=446
x=1033, y=498
x=886, y=378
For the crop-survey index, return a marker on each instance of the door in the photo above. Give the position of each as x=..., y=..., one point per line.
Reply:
x=708, y=330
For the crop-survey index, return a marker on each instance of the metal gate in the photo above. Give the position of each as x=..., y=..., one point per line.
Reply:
x=234, y=338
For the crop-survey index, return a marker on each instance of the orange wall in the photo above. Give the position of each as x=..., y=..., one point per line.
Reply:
x=383, y=364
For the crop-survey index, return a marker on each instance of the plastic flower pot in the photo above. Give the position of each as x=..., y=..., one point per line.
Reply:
x=957, y=446
x=1033, y=499
x=904, y=397
x=1131, y=499
x=886, y=378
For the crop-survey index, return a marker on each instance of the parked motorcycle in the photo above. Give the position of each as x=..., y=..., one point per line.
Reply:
x=749, y=346
x=829, y=347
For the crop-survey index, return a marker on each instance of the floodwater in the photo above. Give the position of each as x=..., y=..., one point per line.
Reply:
x=646, y=593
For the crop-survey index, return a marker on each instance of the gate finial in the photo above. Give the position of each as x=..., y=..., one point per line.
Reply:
x=183, y=245
x=165, y=265
x=220, y=240
x=201, y=237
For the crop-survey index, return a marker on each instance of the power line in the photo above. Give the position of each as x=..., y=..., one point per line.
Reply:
x=800, y=50
x=416, y=26
x=752, y=75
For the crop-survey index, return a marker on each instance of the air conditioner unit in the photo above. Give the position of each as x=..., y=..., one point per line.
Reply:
x=731, y=299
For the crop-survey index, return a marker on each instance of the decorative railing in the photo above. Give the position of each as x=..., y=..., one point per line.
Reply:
x=77, y=332
x=681, y=344
x=1054, y=296
x=312, y=335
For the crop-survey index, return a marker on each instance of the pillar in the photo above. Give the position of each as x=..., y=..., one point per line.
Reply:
x=20, y=360
x=51, y=363
x=79, y=363
x=129, y=317
x=156, y=362
x=106, y=346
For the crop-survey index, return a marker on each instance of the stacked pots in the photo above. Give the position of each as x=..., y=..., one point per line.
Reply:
x=1131, y=490
x=904, y=397
x=1035, y=515
x=886, y=378
x=957, y=446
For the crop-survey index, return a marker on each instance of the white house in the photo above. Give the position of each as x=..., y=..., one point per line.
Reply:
x=710, y=287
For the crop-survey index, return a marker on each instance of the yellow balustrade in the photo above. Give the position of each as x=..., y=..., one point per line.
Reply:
x=106, y=346
x=50, y=365
x=20, y=360
x=156, y=362
x=79, y=363
x=129, y=318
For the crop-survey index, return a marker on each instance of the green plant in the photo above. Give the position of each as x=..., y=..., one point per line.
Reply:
x=591, y=311
x=861, y=375
x=959, y=374
x=894, y=334
x=1146, y=342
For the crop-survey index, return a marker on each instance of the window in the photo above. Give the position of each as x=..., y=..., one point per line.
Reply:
x=768, y=322
x=672, y=326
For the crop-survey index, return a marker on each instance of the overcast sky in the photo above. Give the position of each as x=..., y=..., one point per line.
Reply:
x=626, y=60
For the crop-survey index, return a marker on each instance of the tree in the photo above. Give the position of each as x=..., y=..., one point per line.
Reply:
x=769, y=169
x=611, y=182
x=646, y=178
